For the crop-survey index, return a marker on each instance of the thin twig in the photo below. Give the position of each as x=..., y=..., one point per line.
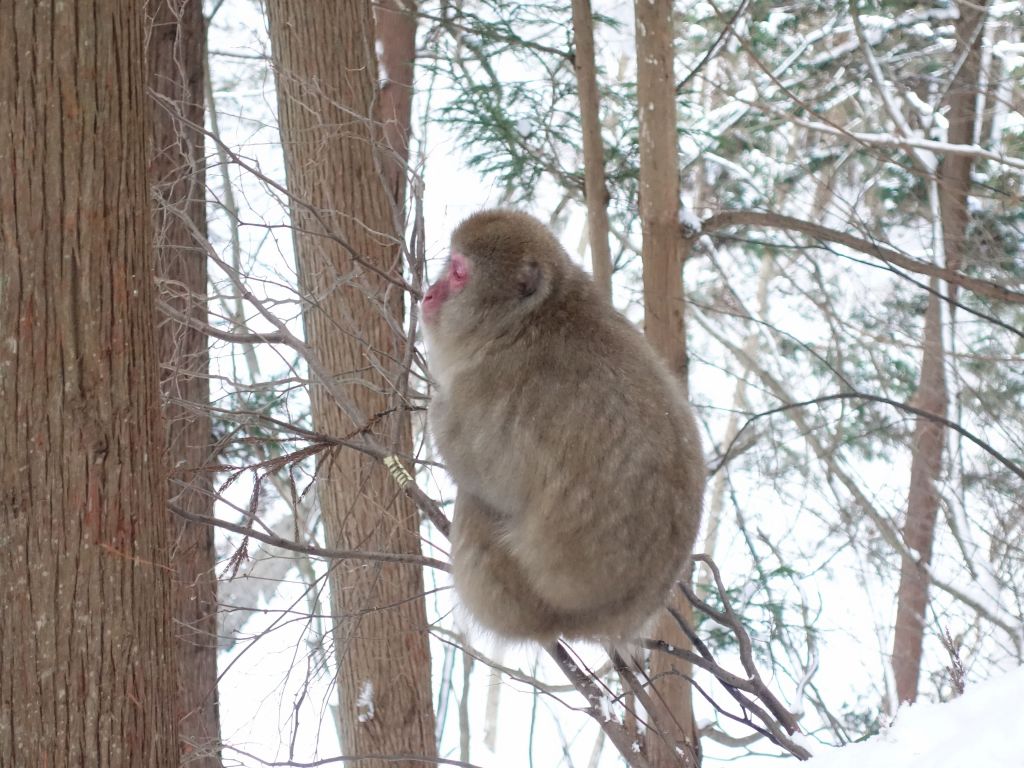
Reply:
x=308, y=549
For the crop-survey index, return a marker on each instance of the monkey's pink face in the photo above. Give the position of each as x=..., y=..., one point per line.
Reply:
x=449, y=285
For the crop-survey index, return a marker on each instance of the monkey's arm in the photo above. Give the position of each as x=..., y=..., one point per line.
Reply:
x=485, y=434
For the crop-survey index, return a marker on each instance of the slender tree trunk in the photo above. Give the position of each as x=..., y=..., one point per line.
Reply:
x=86, y=645
x=922, y=506
x=659, y=183
x=932, y=394
x=327, y=84
x=178, y=175
x=595, y=191
x=664, y=326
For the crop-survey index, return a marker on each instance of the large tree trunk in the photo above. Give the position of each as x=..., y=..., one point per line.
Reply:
x=932, y=394
x=177, y=173
x=326, y=84
x=664, y=327
x=86, y=645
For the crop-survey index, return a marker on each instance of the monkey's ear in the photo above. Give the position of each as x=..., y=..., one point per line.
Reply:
x=529, y=279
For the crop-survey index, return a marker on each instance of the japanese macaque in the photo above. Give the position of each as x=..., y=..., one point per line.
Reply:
x=578, y=462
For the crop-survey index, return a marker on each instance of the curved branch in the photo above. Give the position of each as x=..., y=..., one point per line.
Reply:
x=293, y=546
x=597, y=709
x=1012, y=466
x=869, y=247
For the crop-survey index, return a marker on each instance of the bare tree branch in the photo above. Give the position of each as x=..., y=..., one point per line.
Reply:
x=308, y=549
x=775, y=722
x=868, y=247
x=598, y=707
x=1012, y=466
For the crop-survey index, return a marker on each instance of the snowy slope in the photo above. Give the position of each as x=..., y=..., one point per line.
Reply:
x=984, y=728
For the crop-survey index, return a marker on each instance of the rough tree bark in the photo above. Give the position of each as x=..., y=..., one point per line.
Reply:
x=664, y=326
x=86, y=644
x=178, y=177
x=932, y=395
x=595, y=191
x=327, y=84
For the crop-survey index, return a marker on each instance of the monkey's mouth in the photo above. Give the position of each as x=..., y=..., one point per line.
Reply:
x=430, y=311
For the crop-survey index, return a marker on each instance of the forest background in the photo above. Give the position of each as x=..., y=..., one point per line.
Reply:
x=841, y=182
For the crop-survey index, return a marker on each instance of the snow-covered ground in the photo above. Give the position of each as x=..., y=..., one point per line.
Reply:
x=984, y=728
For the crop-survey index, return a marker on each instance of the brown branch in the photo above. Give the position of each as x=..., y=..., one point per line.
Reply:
x=736, y=686
x=715, y=47
x=321, y=217
x=358, y=442
x=1009, y=624
x=1013, y=467
x=725, y=676
x=671, y=733
x=307, y=549
x=369, y=444
x=778, y=723
x=385, y=758
x=727, y=617
x=721, y=737
x=253, y=337
x=463, y=24
x=868, y=247
x=598, y=707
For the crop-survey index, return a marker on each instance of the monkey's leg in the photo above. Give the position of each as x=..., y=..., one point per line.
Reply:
x=491, y=584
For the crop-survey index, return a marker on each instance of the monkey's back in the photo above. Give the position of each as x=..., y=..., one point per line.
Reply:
x=593, y=494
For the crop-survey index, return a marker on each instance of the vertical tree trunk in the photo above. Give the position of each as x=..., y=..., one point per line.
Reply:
x=177, y=173
x=663, y=325
x=326, y=84
x=922, y=506
x=932, y=394
x=659, y=183
x=86, y=644
x=595, y=191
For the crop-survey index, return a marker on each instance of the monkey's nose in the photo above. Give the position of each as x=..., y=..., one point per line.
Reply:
x=434, y=298
x=438, y=292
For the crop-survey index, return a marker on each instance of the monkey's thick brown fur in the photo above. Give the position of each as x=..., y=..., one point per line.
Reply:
x=577, y=459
